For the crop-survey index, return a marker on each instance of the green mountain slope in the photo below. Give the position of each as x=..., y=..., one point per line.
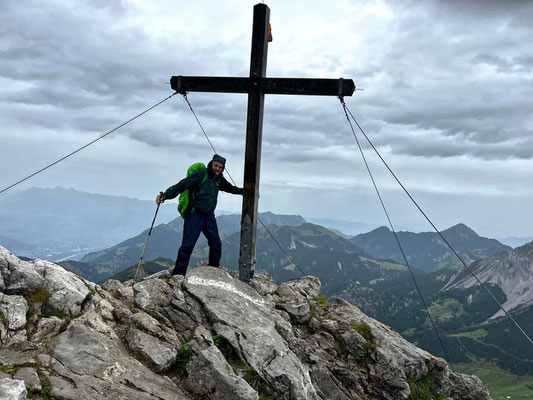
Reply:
x=315, y=249
x=165, y=241
x=86, y=270
x=147, y=268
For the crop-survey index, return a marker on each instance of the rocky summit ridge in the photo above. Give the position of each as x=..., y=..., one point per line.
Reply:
x=205, y=336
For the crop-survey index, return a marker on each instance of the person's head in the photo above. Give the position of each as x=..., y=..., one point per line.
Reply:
x=217, y=164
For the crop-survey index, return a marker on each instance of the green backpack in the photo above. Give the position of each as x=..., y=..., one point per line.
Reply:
x=184, y=202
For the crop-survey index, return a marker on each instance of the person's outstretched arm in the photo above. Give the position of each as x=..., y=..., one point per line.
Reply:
x=225, y=186
x=186, y=183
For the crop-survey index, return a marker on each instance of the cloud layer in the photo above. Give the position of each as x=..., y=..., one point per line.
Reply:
x=447, y=95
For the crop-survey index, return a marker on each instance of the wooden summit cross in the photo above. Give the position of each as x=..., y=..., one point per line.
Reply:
x=257, y=85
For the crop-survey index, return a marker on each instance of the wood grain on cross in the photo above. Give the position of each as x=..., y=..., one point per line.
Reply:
x=257, y=85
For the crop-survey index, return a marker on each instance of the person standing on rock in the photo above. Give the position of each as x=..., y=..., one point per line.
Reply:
x=203, y=188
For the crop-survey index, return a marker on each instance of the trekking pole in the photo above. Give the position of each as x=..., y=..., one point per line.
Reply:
x=146, y=243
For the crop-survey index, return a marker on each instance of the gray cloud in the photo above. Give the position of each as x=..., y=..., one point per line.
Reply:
x=459, y=70
x=511, y=11
x=445, y=82
x=80, y=63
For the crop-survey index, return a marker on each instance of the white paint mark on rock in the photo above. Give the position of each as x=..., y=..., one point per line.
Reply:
x=196, y=280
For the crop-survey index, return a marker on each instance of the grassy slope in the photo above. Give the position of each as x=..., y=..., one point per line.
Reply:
x=501, y=383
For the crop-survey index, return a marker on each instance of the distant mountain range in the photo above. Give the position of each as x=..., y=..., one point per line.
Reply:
x=313, y=250
x=344, y=228
x=232, y=223
x=367, y=269
x=64, y=223
x=57, y=223
x=426, y=250
x=308, y=244
x=165, y=241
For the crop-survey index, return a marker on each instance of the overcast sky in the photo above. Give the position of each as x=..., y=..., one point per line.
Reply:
x=447, y=99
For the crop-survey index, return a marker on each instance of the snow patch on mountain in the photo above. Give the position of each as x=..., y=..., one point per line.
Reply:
x=292, y=246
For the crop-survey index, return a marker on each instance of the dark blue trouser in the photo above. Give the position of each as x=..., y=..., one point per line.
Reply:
x=195, y=223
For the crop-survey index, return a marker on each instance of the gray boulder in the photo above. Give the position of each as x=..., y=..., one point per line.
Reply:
x=13, y=309
x=209, y=374
x=68, y=291
x=17, y=276
x=46, y=327
x=158, y=353
x=12, y=389
x=63, y=291
x=30, y=378
x=242, y=317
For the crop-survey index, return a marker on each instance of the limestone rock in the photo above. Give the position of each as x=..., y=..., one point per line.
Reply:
x=240, y=315
x=12, y=338
x=159, y=354
x=152, y=294
x=13, y=309
x=294, y=301
x=17, y=276
x=15, y=358
x=67, y=291
x=229, y=339
x=63, y=389
x=263, y=284
x=100, y=368
x=44, y=359
x=118, y=289
x=46, y=327
x=12, y=389
x=210, y=374
x=153, y=327
x=30, y=378
x=329, y=385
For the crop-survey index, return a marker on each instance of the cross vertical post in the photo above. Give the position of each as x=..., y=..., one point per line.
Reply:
x=254, y=132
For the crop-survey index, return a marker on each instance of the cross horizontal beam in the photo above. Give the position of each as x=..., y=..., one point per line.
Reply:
x=300, y=86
